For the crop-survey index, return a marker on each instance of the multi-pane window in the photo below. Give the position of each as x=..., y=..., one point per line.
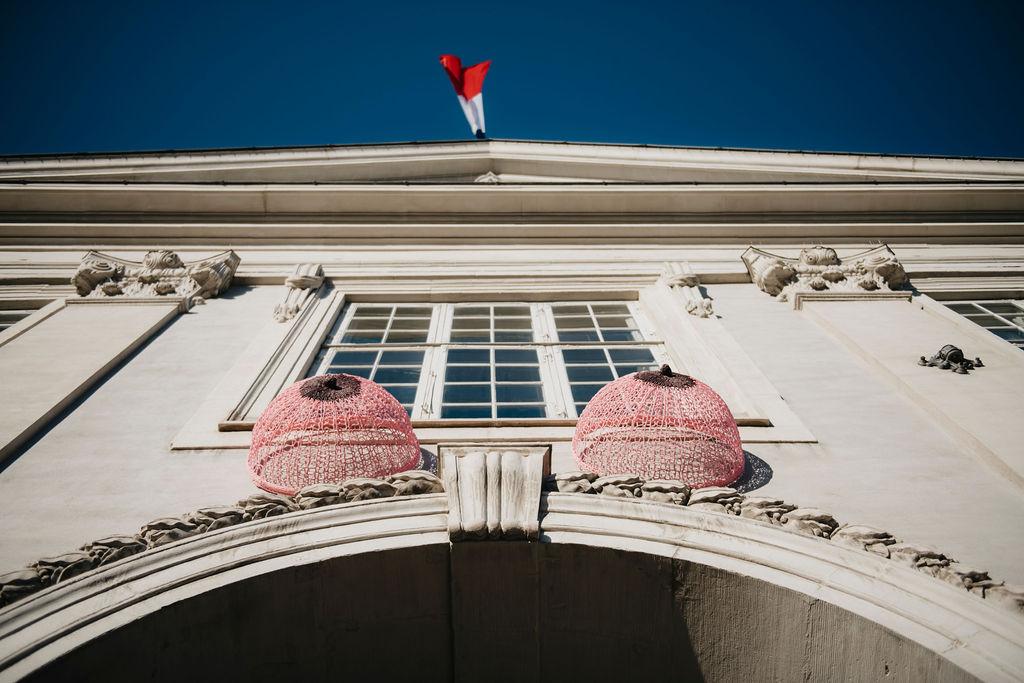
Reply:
x=1004, y=318
x=473, y=361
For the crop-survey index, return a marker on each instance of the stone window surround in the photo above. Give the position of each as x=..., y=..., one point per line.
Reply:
x=283, y=353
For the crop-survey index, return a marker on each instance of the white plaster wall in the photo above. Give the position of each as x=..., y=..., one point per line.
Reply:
x=880, y=460
x=106, y=468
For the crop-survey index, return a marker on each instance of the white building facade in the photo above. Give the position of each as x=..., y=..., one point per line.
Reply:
x=155, y=303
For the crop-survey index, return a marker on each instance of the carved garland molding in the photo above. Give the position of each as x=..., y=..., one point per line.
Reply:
x=818, y=272
x=299, y=288
x=680, y=277
x=161, y=273
x=495, y=494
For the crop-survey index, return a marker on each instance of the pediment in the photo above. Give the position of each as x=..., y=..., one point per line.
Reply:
x=500, y=162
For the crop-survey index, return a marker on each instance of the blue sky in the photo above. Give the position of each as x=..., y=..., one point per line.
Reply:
x=928, y=77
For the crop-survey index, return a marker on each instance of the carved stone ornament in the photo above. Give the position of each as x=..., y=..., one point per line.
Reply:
x=952, y=358
x=819, y=269
x=494, y=491
x=680, y=277
x=161, y=273
x=52, y=570
x=299, y=288
x=809, y=521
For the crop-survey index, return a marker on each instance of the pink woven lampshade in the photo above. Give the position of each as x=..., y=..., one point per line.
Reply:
x=659, y=425
x=327, y=429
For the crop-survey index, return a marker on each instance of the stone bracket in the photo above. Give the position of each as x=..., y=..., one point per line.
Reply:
x=299, y=288
x=494, y=490
x=681, y=278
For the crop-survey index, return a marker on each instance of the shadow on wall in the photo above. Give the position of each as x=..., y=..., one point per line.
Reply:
x=756, y=473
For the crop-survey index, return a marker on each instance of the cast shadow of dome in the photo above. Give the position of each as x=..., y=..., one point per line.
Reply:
x=756, y=473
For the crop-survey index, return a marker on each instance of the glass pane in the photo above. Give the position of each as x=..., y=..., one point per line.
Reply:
x=358, y=372
x=1002, y=307
x=410, y=323
x=472, y=310
x=353, y=357
x=368, y=323
x=593, y=373
x=574, y=322
x=611, y=309
x=467, y=393
x=622, y=335
x=631, y=355
x=580, y=407
x=521, y=411
x=469, y=356
x=397, y=375
x=406, y=337
x=986, y=320
x=517, y=374
x=579, y=336
x=464, y=412
x=471, y=323
x=362, y=338
x=501, y=336
x=570, y=310
x=518, y=393
x=513, y=323
x=518, y=356
x=585, y=392
x=400, y=357
x=579, y=356
x=365, y=311
x=616, y=321
x=467, y=373
x=403, y=394
x=470, y=336
x=1009, y=333
x=629, y=369
x=413, y=311
x=519, y=311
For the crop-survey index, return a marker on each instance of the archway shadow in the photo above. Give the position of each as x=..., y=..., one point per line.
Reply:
x=756, y=473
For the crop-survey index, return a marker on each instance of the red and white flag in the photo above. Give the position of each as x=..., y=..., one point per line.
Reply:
x=469, y=85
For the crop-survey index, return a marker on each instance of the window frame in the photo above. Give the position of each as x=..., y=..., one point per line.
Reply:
x=556, y=386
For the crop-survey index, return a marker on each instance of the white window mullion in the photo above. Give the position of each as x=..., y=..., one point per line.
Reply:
x=557, y=391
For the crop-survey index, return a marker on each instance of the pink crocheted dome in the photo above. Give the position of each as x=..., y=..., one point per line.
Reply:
x=659, y=425
x=327, y=429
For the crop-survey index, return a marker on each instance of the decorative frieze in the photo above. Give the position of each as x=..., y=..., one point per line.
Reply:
x=299, y=287
x=161, y=273
x=819, y=269
x=809, y=521
x=52, y=570
x=680, y=277
x=494, y=491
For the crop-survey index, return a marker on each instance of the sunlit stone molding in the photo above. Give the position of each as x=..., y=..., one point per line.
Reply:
x=819, y=269
x=494, y=491
x=299, y=288
x=161, y=273
x=680, y=277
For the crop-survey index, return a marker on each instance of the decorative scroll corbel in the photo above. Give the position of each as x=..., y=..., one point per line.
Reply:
x=160, y=274
x=494, y=491
x=680, y=277
x=819, y=271
x=952, y=358
x=299, y=288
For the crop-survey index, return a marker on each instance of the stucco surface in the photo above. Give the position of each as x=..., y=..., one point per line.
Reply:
x=106, y=466
x=880, y=459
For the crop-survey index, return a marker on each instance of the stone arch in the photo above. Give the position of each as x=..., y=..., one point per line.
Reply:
x=406, y=602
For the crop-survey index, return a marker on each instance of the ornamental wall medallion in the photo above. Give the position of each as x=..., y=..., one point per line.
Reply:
x=161, y=273
x=819, y=269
